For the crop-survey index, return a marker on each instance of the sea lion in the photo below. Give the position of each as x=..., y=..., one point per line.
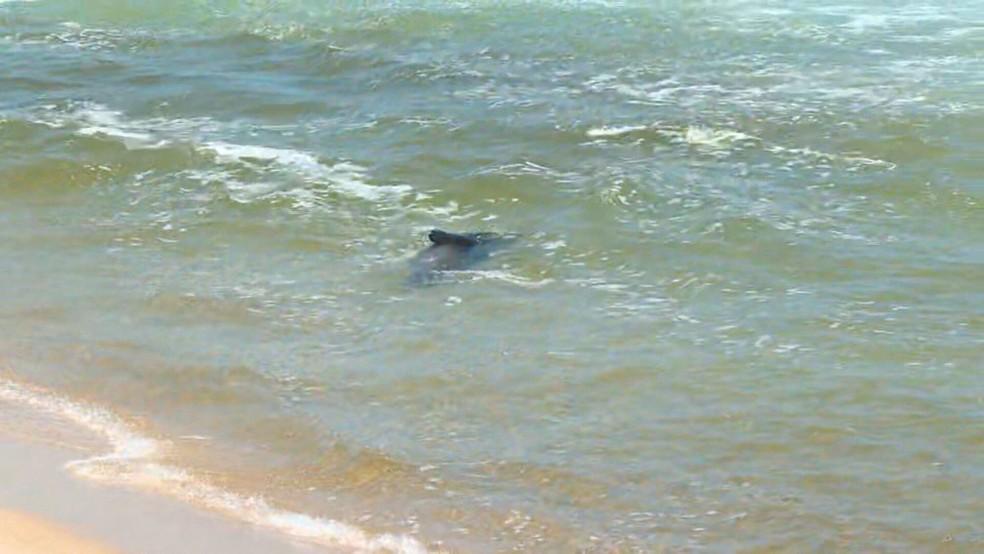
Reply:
x=452, y=251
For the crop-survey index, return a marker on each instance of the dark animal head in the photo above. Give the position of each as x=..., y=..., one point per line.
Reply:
x=453, y=251
x=466, y=240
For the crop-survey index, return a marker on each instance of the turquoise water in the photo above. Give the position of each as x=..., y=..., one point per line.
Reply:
x=746, y=313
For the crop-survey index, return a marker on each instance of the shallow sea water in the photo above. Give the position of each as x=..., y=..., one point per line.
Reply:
x=746, y=312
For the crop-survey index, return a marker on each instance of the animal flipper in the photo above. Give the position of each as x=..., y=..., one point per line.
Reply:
x=439, y=237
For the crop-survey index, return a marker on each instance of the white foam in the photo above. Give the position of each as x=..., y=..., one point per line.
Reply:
x=529, y=168
x=615, y=131
x=714, y=138
x=694, y=135
x=131, y=140
x=131, y=461
x=667, y=90
x=98, y=120
x=817, y=155
x=344, y=177
x=723, y=141
x=302, y=161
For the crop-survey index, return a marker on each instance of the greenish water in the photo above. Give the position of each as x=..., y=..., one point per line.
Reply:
x=746, y=314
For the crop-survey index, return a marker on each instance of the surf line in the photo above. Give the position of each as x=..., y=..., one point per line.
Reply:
x=131, y=462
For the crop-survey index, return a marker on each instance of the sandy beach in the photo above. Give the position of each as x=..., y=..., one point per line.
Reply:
x=45, y=509
x=22, y=533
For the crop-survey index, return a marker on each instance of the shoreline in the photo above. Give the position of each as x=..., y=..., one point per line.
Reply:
x=51, y=509
x=84, y=444
x=44, y=508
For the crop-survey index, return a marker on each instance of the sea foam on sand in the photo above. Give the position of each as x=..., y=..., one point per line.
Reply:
x=132, y=461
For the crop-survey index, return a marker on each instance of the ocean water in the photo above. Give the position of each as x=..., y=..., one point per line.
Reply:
x=746, y=312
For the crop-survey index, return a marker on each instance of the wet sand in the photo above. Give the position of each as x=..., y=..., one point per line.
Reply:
x=22, y=533
x=45, y=509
